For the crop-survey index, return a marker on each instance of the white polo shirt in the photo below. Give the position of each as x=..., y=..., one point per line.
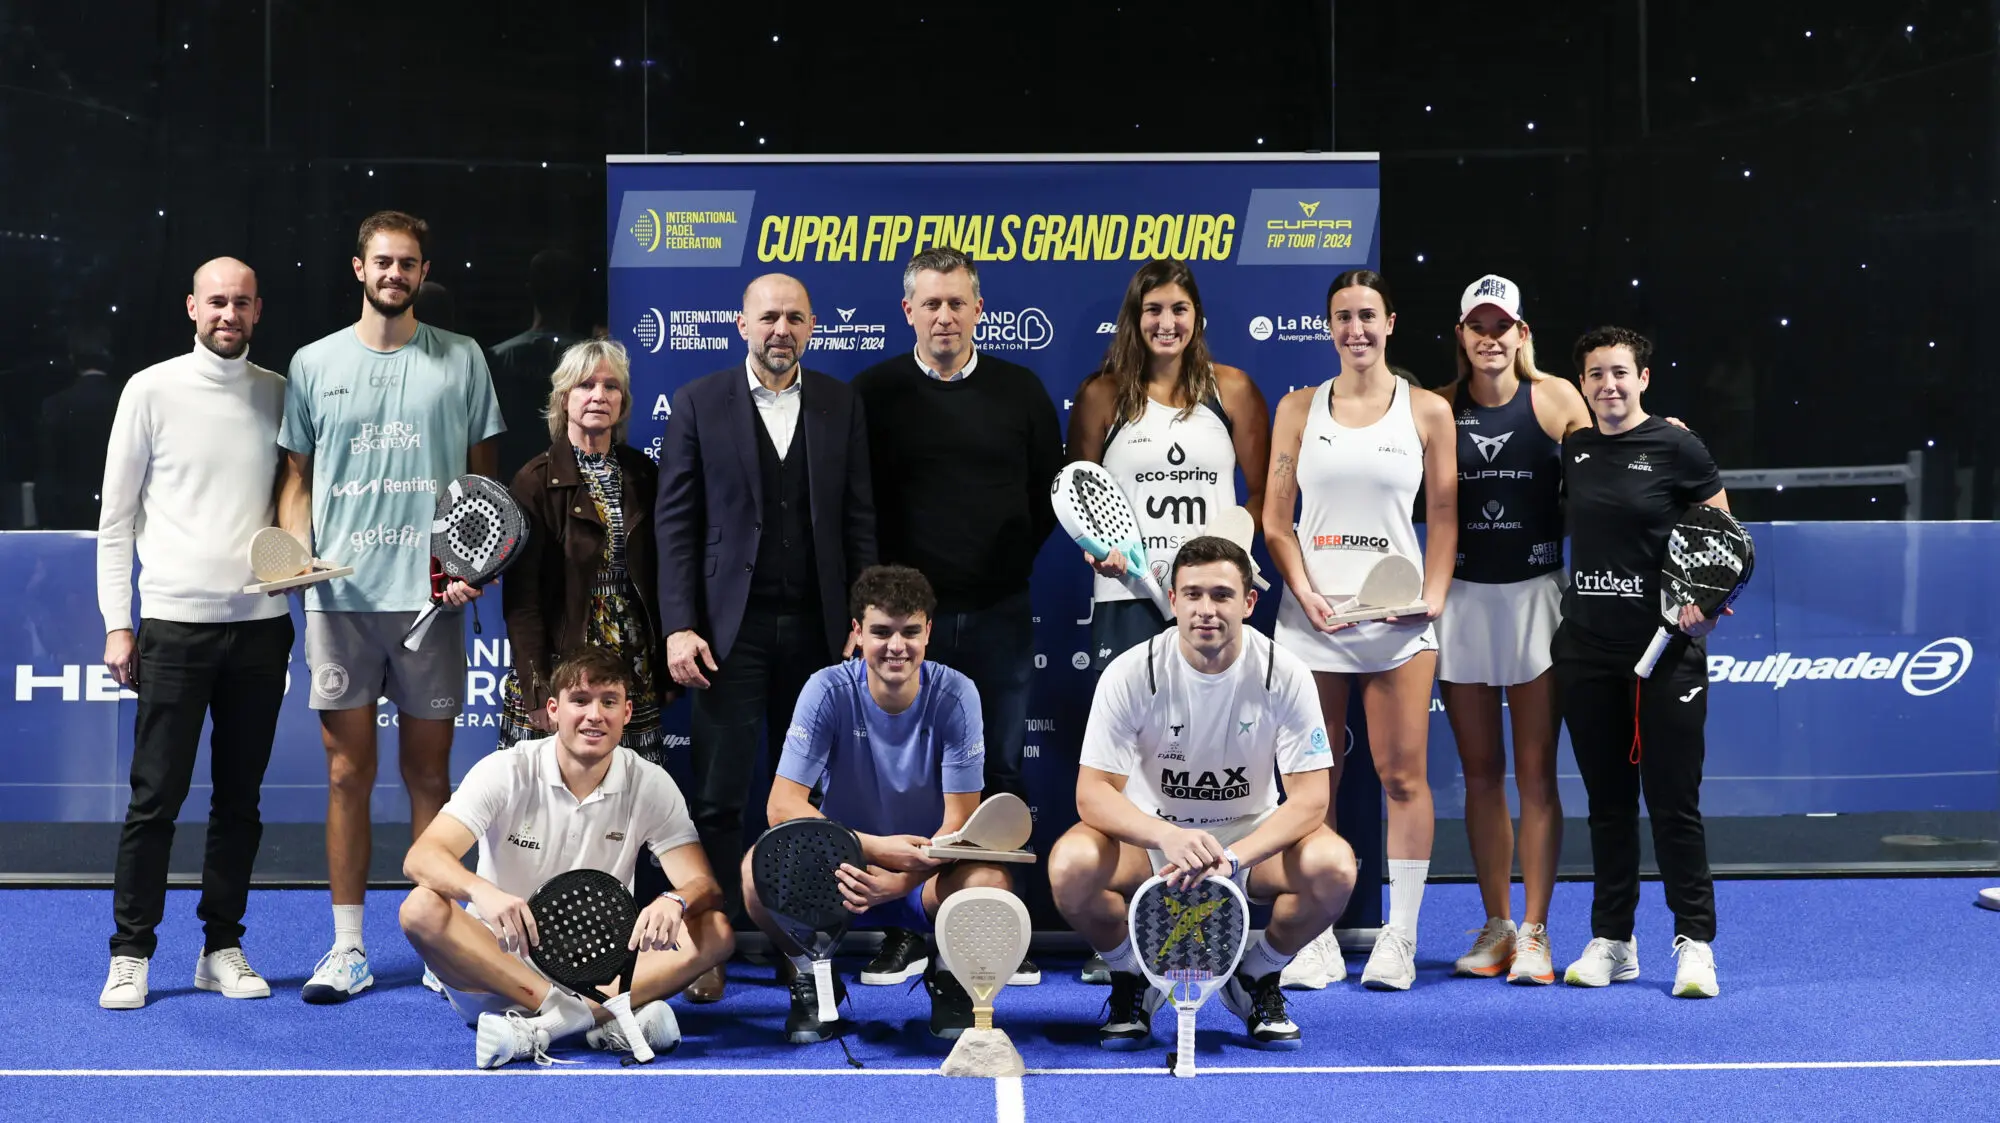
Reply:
x=531, y=828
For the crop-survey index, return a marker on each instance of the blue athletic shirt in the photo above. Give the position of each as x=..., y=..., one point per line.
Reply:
x=886, y=773
x=386, y=431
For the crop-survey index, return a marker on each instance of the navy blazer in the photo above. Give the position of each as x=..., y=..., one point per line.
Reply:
x=710, y=508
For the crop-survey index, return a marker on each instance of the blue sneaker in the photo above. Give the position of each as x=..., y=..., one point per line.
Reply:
x=341, y=974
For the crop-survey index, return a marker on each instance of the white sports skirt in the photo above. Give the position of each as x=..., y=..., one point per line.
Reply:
x=1499, y=635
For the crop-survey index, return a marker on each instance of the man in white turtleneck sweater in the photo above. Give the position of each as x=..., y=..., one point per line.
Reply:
x=189, y=476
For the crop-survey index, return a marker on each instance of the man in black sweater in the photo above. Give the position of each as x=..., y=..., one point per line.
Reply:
x=963, y=448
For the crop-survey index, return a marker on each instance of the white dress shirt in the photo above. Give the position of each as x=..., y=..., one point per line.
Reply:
x=965, y=371
x=779, y=409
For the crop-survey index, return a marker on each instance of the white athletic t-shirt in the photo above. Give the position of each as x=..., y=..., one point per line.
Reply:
x=531, y=828
x=1204, y=750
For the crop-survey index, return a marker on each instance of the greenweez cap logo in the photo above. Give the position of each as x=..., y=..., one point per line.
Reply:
x=682, y=229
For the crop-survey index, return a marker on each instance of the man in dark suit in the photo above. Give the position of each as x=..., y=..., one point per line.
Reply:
x=765, y=516
x=75, y=428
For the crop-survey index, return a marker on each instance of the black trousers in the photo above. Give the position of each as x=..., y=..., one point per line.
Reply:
x=995, y=648
x=1599, y=693
x=233, y=674
x=747, y=706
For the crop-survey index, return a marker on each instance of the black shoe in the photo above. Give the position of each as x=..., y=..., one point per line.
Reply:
x=1128, y=1013
x=803, y=1025
x=902, y=957
x=1095, y=972
x=1026, y=975
x=1261, y=1005
x=951, y=1006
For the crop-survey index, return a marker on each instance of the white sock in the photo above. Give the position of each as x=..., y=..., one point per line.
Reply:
x=1122, y=958
x=347, y=927
x=563, y=1014
x=1406, y=892
x=1261, y=959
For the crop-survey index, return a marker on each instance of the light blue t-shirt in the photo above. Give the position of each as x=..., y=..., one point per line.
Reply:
x=886, y=773
x=386, y=430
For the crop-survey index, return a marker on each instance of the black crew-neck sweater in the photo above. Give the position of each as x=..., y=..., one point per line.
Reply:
x=962, y=471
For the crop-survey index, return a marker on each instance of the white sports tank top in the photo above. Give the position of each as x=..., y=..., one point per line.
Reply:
x=1356, y=490
x=1175, y=472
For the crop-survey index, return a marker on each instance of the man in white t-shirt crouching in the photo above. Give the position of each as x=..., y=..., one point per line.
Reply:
x=1186, y=736
x=572, y=801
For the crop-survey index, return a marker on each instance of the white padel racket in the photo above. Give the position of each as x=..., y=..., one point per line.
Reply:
x=995, y=832
x=1189, y=942
x=1394, y=587
x=982, y=936
x=1094, y=512
x=280, y=561
x=1235, y=524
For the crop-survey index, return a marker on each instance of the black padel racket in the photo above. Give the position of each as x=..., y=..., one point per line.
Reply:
x=1189, y=942
x=1709, y=559
x=476, y=533
x=585, y=920
x=793, y=868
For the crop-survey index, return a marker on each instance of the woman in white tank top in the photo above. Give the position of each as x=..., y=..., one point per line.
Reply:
x=1353, y=452
x=1172, y=427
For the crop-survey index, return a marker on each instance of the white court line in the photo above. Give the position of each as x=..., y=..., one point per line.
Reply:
x=1010, y=1104
x=1240, y=1070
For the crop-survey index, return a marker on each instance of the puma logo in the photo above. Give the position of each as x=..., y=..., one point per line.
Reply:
x=1327, y=439
x=1689, y=696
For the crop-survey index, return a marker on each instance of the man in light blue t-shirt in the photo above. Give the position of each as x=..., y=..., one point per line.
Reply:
x=896, y=746
x=378, y=417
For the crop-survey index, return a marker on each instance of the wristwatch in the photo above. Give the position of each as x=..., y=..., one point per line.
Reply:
x=1235, y=863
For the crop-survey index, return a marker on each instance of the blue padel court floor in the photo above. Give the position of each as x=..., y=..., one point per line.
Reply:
x=1865, y=999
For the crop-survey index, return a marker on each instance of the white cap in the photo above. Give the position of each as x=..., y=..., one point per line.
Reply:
x=1498, y=291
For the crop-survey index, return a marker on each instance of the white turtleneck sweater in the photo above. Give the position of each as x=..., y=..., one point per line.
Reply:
x=189, y=478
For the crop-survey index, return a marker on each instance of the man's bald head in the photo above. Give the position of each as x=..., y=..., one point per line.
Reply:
x=776, y=322
x=224, y=306
x=775, y=286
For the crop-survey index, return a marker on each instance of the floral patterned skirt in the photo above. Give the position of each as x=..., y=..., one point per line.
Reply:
x=617, y=622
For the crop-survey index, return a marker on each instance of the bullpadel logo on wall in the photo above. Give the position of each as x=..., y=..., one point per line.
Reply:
x=1931, y=669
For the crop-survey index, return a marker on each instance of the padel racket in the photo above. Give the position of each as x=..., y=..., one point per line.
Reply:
x=1235, y=524
x=793, y=868
x=586, y=920
x=982, y=936
x=1094, y=512
x=477, y=532
x=1189, y=942
x=280, y=561
x=1394, y=586
x=1709, y=559
x=995, y=832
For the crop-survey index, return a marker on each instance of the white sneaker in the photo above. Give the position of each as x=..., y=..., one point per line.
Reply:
x=1989, y=899
x=1393, y=963
x=229, y=974
x=509, y=1037
x=1695, y=975
x=1532, y=965
x=125, y=985
x=1604, y=962
x=656, y=1020
x=340, y=975
x=1491, y=951
x=1317, y=965
x=432, y=983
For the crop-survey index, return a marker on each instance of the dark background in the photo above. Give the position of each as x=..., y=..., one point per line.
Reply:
x=1805, y=223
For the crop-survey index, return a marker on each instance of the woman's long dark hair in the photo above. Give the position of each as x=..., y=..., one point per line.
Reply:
x=1125, y=360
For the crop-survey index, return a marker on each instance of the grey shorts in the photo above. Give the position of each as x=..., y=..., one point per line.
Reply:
x=357, y=657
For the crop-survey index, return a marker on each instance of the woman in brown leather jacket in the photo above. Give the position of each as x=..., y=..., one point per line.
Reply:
x=589, y=575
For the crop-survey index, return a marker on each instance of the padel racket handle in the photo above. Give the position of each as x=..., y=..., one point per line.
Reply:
x=414, y=638
x=1644, y=667
x=823, y=990
x=620, y=1008
x=1184, y=1046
